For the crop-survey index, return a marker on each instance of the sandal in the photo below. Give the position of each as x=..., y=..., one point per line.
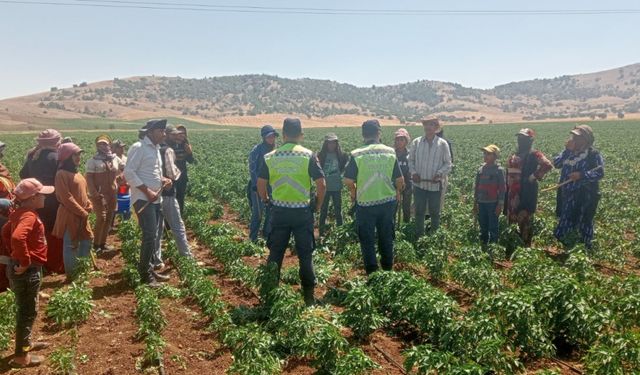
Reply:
x=34, y=360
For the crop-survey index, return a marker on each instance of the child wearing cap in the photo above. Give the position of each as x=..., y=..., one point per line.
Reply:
x=489, y=194
x=24, y=236
x=400, y=144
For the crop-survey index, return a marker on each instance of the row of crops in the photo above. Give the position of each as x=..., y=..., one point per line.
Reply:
x=459, y=312
x=452, y=308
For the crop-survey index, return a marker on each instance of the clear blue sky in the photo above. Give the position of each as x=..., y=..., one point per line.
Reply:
x=44, y=46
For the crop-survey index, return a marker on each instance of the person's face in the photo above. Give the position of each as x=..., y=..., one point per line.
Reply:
x=119, y=150
x=37, y=201
x=180, y=138
x=400, y=143
x=76, y=158
x=332, y=146
x=579, y=142
x=103, y=147
x=524, y=141
x=270, y=139
x=489, y=157
x=156, y=136
x=430, y=129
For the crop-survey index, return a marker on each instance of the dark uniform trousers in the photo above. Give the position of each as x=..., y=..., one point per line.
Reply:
x=299, y=221
x=380, y=219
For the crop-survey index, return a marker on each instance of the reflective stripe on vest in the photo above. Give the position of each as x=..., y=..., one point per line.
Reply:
x=289, y=175
x=375, y=171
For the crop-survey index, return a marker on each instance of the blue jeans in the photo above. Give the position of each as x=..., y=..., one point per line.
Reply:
x=258, y=210
x=380, y=219
x=150, y=221
x=171, y=212
x=422, y=198
x=488, y=222
x=72, y=251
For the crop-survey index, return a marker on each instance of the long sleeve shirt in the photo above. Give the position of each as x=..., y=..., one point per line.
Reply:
x=490, y=184
x=101, y=177
x=589, y=163
x=73, y=212
x=25, y=235
x=256, y=158
x=144, y=167
x=171, y=169
x=429, y=159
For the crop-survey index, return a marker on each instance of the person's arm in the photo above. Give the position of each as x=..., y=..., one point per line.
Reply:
x=398, y=179
x=90, y=172
x=64, y=196
x=502, y=189
x=446, y=160
x=412, y=158
x=350, y=176
x=317, y=174
x=544, y=166
x=170, y=161
x=594, y=175
x=189, y=153
x=263, y=180
x=254, y=166
x=321, y=189
x=134, y=163
x=20, y=238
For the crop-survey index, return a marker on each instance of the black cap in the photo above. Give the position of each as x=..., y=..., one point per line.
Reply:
x=371, y=127
x=156, y=124
x=292, y=127
x=267, y=130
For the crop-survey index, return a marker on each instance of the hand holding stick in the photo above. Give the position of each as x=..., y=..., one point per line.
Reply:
x=164, y=184
x=558, y=186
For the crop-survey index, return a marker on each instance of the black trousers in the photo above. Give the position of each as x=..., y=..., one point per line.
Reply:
x=371, y=221
x=25, y=287
x=299, y=222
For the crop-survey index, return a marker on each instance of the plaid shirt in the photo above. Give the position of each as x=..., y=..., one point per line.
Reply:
x=429, y=159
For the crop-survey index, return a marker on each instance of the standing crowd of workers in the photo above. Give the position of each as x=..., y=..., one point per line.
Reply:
x=382, y=180
x=45, y=216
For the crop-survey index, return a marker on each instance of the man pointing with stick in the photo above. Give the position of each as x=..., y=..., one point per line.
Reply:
x=144, y=173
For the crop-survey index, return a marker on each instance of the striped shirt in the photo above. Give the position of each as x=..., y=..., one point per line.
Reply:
x=429, y=159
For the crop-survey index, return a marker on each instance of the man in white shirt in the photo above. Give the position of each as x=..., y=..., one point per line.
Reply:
x=144, y=174
x=429, y=164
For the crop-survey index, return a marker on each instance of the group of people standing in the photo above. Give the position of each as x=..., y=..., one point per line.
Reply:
x=45, y=216
x=382, y=180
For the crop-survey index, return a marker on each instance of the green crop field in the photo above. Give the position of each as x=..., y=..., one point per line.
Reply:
x=446, y=309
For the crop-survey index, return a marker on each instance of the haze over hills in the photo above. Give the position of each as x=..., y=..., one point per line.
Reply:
x=255, y=99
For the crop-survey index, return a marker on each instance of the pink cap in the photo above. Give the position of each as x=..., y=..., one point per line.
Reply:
x=65, y=151
x=402, y=132
x=29, y=187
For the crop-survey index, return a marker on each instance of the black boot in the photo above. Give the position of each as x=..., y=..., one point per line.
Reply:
x=307, y=293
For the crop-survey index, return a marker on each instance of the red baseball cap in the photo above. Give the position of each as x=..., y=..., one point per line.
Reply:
x=29, y=187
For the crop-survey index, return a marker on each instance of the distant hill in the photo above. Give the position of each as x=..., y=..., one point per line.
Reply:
x=253, y=99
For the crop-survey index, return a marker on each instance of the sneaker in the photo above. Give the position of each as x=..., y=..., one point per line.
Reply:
x=158, y=266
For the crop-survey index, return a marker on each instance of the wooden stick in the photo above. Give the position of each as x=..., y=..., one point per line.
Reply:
x=568, y=365
x=148, y=202
x=388, y=358
x=554, y=187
